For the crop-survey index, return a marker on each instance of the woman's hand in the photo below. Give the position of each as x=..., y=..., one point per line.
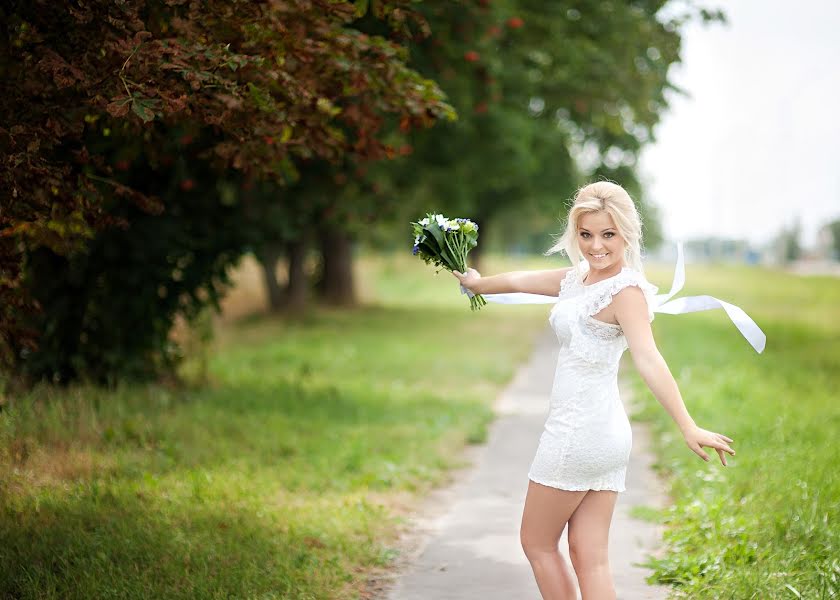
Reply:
x=697, y=437
x=468, y=279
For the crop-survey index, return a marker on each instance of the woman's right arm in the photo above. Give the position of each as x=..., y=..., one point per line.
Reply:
x=545, y=282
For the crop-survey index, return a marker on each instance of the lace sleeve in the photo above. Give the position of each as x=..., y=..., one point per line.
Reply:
x=602, y=297
x=568, y=280
x=592, y=341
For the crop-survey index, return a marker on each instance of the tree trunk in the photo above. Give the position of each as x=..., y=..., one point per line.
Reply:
x=297, y=287
x=270, y=254
x=337, y=286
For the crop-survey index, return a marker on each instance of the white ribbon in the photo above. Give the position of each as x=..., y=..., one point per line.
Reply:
x=662, y=303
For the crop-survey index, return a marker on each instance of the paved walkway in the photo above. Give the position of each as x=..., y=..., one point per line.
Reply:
x=464, y=542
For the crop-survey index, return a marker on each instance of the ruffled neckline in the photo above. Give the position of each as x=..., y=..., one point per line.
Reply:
x=573, y=282
x=586, y=272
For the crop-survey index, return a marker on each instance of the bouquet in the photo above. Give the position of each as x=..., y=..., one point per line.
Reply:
x=445, y=243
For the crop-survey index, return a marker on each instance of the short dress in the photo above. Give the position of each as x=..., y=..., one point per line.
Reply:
x=586, y=442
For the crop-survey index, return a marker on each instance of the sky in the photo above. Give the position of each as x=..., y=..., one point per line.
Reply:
x=756, y=146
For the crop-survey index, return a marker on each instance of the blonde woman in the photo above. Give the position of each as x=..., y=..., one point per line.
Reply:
x=604, y=306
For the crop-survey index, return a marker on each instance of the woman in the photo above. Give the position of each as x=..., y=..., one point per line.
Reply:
x=604, y=307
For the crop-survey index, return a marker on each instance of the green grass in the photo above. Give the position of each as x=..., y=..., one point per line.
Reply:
x=282, y=476
x=766, y=526
x=645, y=513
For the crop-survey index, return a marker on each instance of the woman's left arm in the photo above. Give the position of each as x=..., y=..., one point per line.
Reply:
x=631, y=312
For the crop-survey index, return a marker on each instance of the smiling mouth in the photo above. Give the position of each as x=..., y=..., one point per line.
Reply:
x=599, y=255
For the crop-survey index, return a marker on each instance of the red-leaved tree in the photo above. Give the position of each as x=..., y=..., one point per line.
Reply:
x=269, y=82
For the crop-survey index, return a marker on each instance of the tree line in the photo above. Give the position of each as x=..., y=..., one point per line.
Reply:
x=148, y=145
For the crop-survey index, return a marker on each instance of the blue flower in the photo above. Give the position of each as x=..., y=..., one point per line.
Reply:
x=415, y=250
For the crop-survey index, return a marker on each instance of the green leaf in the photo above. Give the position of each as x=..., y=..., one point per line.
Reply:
x=143, y=110
x=437, y=234
x=361, y=8
x=261, y=98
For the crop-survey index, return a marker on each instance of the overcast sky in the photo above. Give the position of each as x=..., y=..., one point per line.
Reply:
x=758, y=142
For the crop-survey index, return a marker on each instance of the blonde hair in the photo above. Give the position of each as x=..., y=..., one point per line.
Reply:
x=615, y=201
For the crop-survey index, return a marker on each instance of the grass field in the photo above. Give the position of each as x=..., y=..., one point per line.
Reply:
x=287, y=475
x=766, y=526
x=289, y=472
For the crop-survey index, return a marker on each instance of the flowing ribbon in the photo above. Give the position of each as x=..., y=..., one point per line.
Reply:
x=662, y=303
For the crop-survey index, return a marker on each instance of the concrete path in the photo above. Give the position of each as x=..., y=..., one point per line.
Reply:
x=464, y=541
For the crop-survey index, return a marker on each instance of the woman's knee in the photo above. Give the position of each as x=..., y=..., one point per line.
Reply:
x=536, y=545
x=586, y=555
x=545, y=516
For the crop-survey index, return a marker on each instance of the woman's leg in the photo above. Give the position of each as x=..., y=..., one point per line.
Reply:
x=544, y=517
x=589, y=528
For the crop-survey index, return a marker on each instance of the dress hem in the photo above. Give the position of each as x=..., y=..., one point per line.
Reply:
x=576, y=488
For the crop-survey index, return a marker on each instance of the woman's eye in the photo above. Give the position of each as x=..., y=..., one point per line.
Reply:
x=609, y=234
x=584, y=234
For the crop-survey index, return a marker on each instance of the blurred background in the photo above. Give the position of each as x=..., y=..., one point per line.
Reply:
x=743, y=164
x=222, y=372
x=296, y=151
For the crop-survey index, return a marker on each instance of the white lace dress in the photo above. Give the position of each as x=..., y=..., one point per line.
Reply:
x=587, y=437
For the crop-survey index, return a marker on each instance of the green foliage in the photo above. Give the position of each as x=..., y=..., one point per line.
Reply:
x=107, y=311
x=271, y=83
x=788, y=241
x=834, y=228
x=288, y=101
x=536, y=85
x=763, y=526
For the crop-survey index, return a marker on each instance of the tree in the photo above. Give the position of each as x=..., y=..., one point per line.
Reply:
x=93, y=92
x=834, y=230
x=789, y=242
x=534, y=83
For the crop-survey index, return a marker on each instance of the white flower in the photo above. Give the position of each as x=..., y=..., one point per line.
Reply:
x=453, y=225
x=441, y=220
x=424, y=221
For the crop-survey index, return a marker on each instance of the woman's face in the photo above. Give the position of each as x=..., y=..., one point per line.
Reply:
x=599, y=241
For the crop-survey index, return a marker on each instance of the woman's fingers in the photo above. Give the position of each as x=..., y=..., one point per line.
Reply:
x=699, y=451
x=720, y=446
x=710, y=439
x=726, y=447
